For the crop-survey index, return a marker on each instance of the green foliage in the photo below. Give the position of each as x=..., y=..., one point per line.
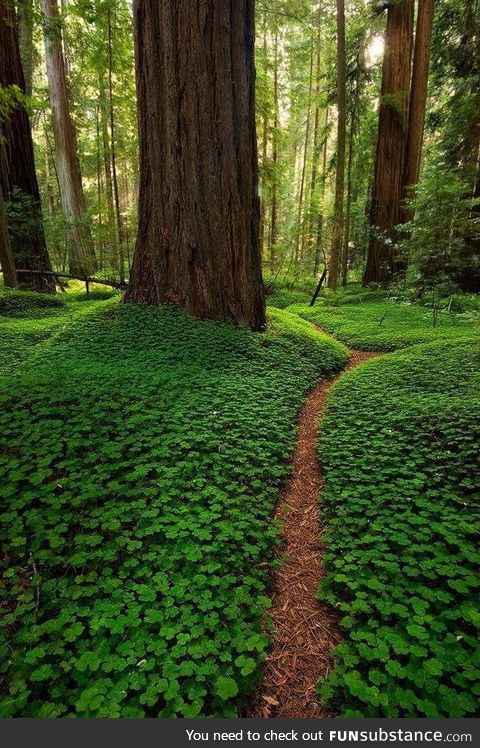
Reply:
x=286, y=290
x=387, y=325
x=21, y=336
x=443, y=239
x=462, y=303
x=29, y=319
x=399, y=447
x=283, y=297
x=23, y=304
x=11, y=98
x=352, y=294
x=24, y=220
x=288, y=294
x=96, y=294
x=141, y=456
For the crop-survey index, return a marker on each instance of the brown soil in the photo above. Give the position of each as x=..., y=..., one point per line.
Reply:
x=305, y=629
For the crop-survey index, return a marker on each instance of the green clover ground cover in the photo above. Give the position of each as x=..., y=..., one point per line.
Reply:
x=386, y=325
x=29, y=319
x=399, y=446
x=281, y=298
x=141, y=456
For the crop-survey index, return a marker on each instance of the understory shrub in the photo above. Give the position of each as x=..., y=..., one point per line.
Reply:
x=399, y=446
x=141, y=454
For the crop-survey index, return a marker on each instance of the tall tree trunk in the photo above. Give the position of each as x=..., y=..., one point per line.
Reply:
x=336, y=249
x=25, y=38
x=100, y=180
x=299, y=243
x=264, y=180
x=348, y=207
x=316, y=141
x=353, y=131
x=198, y=237
x=274, y=209
x=18, y=179
x=106, y=156
x=387, y=192
x=418, y=99
x=113, y=152
x=81, y=253
x=320, y=219
x=48, y=181
x=6, y=255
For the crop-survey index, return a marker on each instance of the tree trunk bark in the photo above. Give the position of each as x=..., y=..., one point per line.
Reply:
x=81, y=253
x=382, y=260
x=274, y=209
x=264, y=181
x=100, y=181
x=198, y=237
x=113, y=153
x=418, y=100
x=112, y=235
x=348, y=207
x=320, y=220
x=25, y=38
x=352, y=135
x=18, y=179
x=299, y=244
x=316, y=142
x=336, y=249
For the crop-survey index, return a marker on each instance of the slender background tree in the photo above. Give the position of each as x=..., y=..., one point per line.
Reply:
x=336, y=251
x=81, y=251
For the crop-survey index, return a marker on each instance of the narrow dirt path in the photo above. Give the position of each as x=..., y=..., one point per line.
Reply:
x=305, y=630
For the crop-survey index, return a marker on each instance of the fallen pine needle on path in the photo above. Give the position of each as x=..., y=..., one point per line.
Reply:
x=305, y=629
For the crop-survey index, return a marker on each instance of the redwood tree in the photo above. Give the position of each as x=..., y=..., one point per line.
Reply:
x=418, y=97
x=387, y=191
x=81, y=253
x=18, y=180
x=198, y=236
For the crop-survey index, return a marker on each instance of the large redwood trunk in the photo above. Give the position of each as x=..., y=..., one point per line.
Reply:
x=81, y=253
x=385, y=213
x=18, y=180
x=198, y=238
x=418, y=99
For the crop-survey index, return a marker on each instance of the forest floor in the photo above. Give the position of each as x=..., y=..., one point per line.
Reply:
x=305, y=629
x=142, y=455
